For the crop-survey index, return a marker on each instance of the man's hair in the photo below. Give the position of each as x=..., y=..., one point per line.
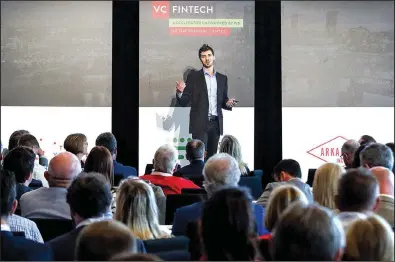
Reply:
x=102, y=240
x=221, y=170
x=357, y=190
x=306, y=233
x=205, y=48
x=165, y=159
x=289, y=166
x=28, y=140
x=350, y=146
x=89, y=195
x=20, y=161
x=8, y=192
x=14, y=138
x=107, y=140
x=228, y=210
x=377, y=155
x=195, y=150
x=367, y=139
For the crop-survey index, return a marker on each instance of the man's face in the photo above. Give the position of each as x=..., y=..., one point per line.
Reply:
x=207, y=58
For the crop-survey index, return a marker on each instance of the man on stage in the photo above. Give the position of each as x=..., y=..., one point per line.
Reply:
x=206, y=92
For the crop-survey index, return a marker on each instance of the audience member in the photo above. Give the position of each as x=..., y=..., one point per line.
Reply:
x=366, y=139
x=370, y=239
x=308, y=233
x=227, y=227
x=137, y=208
x=385, y=208
x=78, y=145
x=102, y=240
x=50, y=203
x=220, y=171
x=325, y=184
x=357, y=195
x=165, y=161
x=392, y=147
x=14, y=248
x=31, y=142
x=128, y=256
x=357, y=160
x=286, y=172
x=230, y=145
x=280, y=199
x=195, y=154
x=20, y=161
x=14, y=138
x=109, y=141
x=89, y=197
x=348, y=150
x=377, y=155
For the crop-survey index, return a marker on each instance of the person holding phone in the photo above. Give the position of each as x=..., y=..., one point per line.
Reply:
x=206, y=92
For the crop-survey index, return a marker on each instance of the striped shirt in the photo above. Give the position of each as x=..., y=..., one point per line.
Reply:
x=21, y=224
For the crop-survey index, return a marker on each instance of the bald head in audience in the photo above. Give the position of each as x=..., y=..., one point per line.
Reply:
x=62, y=169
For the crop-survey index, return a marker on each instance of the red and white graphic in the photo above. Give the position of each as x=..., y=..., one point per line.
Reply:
x=329, y=151
x=160, y=9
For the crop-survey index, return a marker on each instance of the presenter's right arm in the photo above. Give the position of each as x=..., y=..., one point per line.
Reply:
x=184, y=92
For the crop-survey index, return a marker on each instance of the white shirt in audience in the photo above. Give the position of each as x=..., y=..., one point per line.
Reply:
x=38, y=173
x=21, y=224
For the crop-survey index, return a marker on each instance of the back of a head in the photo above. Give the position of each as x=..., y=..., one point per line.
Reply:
x=288, y=166
x=307, y=233
x=74, y=143
x=165, y=159
x=62, y=169
x=28, y=140
x=89, y=195
x=8, y=192
x=230, y=145
x=357, y=160
x=195, y=150
x=107, y=140
x=227, y=225
x=377, y=155
x=370, y=239
x=366, y=139
x=358, y=190
x=14, y=138
x=100, y=160
x=348, y=150
x=20, y=161
x=392, y=147
x=137, y=208
x=280, y=199
x=135, y=257
x=220, y=170
x=102, y=240
x=325, y=184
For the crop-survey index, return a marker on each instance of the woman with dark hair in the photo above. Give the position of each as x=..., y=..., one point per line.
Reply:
x=100, y=161
x=227, y=227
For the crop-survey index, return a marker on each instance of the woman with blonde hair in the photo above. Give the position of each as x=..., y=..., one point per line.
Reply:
x=137, y=208
x=325, y=184
x=280, y=199
x=370, y=239
x=230, y=145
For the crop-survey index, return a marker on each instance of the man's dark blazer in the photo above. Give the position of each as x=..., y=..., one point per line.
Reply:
x=17, y=248
x=63, y=246
x=193, y=169
x=195, y=95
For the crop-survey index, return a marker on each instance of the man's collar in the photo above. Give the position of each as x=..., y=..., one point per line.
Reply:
x=205, y=71
x=92, y=220
x=157, y=173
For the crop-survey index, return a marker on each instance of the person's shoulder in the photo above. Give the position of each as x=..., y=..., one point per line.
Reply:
x=218, y=74
x=190, y=208
x=65, y=237
x=15, y=219
x=35, y=250
x=30, y=194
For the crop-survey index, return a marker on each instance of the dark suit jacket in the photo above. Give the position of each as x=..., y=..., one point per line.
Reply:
x=63, y=246
x=121, y=172
x=20, y=190
x=193, y=212
x=193, y=169
x=195, y=95
x=16, y=248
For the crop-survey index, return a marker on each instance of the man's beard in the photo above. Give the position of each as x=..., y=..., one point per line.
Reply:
x=208, y=66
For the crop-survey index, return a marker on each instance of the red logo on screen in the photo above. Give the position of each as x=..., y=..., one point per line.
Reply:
x=329, y=151
x=160, y=9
